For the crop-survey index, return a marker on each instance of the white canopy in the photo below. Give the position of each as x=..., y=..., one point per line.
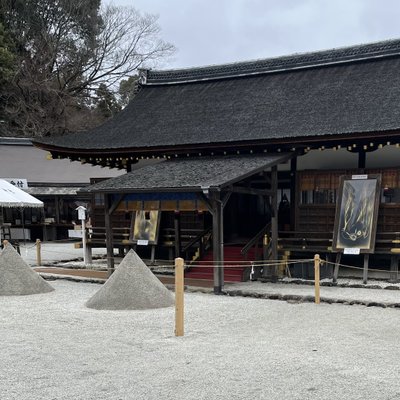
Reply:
x=11, y=196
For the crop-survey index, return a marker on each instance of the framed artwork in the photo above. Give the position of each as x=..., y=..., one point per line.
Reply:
x=146, y=227
x=356, y=214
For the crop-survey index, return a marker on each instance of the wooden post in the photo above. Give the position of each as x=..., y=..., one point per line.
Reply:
x=284, y=266
x=84, y=242
x=177, y=234
x=293, y=194
x=38, y=253
x=365, y=271
x=109, y=236
x=394, y=268
x=361, y=159
x=57, y=210
x=316, y=278
x=179, y=297
x=218, y=245
x=265, y=247
x=89, y=252
x=274, y=220
x=336, y=270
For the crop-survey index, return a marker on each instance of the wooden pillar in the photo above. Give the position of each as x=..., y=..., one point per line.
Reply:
x=109, y=236
x=361, y=159
x=274, y=219
x=218, y=243
x=293, y=194
x=177, y=234
x=336, y=270
x=394, y=268
x=57, y=209
x=365, y=271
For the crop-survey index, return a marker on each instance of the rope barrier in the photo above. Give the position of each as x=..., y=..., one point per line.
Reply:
x=357, y=268
x=213, y=264
x=256, y=262
x=249, y=264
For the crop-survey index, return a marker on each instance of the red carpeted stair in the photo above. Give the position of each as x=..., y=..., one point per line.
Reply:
x=205, y=270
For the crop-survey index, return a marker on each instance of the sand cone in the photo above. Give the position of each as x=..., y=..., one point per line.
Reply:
x=131, y=287
x=17, y=278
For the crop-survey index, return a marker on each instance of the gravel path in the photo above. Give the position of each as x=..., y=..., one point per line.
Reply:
x=53, y=347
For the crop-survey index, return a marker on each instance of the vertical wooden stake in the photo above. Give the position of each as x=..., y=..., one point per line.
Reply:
x=316, y=277
x=179, y=297
x=84, y=242
x=38, y=253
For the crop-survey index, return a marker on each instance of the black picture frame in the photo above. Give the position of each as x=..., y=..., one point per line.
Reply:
x=357, y=213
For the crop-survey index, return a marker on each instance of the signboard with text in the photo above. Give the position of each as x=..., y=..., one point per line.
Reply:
x=20, y=183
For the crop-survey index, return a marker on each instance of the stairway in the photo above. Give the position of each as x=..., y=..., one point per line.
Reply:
x=232, y=255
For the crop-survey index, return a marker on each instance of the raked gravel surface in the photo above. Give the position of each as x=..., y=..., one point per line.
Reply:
x=53, y=347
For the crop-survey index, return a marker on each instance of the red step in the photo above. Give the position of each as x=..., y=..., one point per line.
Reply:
x=232, y=254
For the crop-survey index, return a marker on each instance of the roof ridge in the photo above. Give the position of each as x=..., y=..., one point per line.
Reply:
x=338, y=55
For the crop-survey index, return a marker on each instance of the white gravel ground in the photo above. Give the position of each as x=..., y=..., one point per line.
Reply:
x=326, y=292
x=53, y=347
x=52, y=252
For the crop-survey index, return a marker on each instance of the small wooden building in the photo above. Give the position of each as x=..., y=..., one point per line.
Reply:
x=252, y=144
x=56, y=183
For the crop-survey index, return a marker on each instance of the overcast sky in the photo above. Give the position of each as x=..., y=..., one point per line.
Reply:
x=221, y=31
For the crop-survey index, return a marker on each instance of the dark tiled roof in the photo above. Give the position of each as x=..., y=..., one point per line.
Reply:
x=345, y=98
x=294, y=61
x=189, y=174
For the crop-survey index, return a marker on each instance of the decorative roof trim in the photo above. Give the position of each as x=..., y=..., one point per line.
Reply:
x=15, y=141
x=358, y=53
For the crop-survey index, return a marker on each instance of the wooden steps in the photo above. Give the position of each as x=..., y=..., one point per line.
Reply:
x=232, y=256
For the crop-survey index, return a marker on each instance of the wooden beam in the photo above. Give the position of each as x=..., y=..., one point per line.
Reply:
x=116, y=203
x=257, y=192
x=207, y=201
x=226, y=198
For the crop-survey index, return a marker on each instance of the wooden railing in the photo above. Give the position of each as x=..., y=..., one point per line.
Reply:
x=255, y=241
x=122, y=237
x=97, y=235
x=321, y=242
x=202, y=239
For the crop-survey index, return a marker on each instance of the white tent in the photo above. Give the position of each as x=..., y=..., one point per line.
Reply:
x=11, y=196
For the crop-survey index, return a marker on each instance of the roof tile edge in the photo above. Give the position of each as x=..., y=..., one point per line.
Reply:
x=276, y=64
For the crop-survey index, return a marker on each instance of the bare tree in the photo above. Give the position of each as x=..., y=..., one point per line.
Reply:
x=127, y=41
x=66, y=52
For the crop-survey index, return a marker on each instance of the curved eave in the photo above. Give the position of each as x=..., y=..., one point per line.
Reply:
x=301, y=141
x=185, y=189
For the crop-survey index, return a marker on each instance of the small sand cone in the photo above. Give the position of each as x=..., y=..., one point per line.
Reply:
x=17, y=277
x=131, y=287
